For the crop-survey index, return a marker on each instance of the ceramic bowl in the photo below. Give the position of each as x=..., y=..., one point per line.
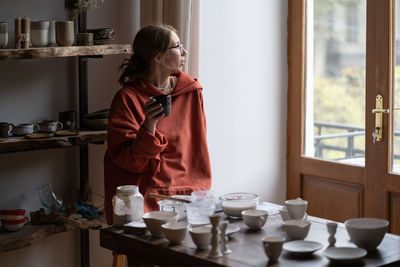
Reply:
x=254, y=219
x=296, y=229
x=367, y=233
x=234, y=203
x=201, y=236
x=154, y=220
x=175, y=232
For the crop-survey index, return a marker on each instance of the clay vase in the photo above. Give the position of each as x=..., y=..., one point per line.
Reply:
x=65, y=34
x=3, y=35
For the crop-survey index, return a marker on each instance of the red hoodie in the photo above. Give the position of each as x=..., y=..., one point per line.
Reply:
x=174, y=161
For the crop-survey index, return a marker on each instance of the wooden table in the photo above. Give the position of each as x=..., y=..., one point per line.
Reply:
x=246, y=246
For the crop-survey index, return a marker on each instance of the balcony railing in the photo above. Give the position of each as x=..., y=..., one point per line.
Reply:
x=350, y=132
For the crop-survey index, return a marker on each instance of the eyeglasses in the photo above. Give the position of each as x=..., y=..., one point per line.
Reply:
x=181, y=49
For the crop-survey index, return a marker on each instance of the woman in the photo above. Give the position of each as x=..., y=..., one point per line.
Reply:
x=161, y=154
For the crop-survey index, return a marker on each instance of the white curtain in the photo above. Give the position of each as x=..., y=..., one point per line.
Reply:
x=183, y=15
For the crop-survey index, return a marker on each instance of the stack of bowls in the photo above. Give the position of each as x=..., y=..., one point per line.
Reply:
x=102, y=35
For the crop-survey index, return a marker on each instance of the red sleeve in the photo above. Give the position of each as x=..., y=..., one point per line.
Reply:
x=131, y=146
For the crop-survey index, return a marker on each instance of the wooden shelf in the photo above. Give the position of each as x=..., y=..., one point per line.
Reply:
x=64, y=51
x=31, y=234
x=16, y=144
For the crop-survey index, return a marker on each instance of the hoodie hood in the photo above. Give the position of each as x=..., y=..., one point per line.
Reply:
x=185, y=84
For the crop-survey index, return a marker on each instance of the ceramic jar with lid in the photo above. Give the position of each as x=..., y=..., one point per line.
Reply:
x=127, y=205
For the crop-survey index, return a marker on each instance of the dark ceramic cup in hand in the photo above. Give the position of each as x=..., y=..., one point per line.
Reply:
x=165, y=101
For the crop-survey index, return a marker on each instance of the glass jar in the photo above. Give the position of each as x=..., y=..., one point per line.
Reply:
x=127, y=205
x=201, y=207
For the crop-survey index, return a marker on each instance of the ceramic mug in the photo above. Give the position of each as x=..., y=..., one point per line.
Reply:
x=273, y=247
x=165, y=101
x=65, y=33
x=3, y=35
x=6, y=129
x=49, y=126
x=25, y=128
x=68, y=119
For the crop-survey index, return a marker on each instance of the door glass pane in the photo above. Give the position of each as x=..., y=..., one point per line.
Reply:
x=396, y=94
x=335, y=80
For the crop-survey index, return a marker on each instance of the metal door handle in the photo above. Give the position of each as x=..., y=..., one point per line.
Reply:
x=378, y=111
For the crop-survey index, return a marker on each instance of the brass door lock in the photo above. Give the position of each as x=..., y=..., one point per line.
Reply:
x=378, y=111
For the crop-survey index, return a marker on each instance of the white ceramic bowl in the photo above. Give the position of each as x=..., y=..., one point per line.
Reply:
x=201, y=236
x=154, y=220
x=296, y=229
x=234, y=203
x=175, y=232
x=254, y=219
x=367, y=233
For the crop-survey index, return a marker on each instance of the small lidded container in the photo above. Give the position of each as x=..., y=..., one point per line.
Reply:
x=127, y=205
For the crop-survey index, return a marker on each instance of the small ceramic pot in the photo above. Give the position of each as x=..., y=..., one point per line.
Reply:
x=12, y=220
x=40, y=33
x=3, y=35
x=52, y=33
x=84, y=38
x=65, y=34
x=6, y=129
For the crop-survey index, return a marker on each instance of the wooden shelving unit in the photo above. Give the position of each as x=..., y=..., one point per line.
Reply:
x=31, y=234
x=64, y=51
x=17, y=144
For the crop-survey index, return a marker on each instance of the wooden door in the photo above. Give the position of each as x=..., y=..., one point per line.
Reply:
x=337, y=190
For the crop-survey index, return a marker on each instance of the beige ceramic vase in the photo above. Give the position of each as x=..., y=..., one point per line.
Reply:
x=65, y=34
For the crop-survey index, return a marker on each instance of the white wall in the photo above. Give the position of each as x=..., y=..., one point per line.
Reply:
x=244, y=73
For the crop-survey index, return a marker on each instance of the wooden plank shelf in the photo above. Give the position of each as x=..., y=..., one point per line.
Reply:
x=64, y=51
x=17, y=144
x=32, y=234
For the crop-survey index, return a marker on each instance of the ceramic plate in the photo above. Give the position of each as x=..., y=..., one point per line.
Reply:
x=66, y=133
x=39, y=135
x=344, y=254
x=302, y=247
x=231, y=229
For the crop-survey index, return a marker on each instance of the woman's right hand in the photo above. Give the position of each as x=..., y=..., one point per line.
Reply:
x=153, y=112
